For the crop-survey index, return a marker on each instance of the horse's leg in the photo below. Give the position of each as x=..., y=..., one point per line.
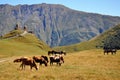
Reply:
x=31, y=67
x=51, y=63
x=45, y=63
x=24, y=66
x=21, y=66
x=62, y=60
x=107, y=53
x=36, y=67
x=39, y=65
x=104, y=53
x=115, y=52
x=59, y=63
x=112, y=53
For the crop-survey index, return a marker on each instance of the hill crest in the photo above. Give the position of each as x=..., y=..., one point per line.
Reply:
x=29, y=39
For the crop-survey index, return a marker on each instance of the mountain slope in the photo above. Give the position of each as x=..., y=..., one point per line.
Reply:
x=109, y=39
x=12, y=44
x=56, y=25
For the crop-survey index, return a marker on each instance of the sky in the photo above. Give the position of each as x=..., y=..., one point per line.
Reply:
x=105, y=7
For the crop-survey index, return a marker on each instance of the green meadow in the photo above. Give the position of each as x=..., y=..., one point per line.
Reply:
x=84, y=65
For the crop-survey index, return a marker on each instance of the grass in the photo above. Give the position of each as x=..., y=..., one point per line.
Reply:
x=12, y=48
x=29, y=44
x=77, y=47
x=84, y=65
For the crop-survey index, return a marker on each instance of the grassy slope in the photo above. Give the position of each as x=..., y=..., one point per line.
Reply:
x=84, y=65
x=24, y=45
x=91, y=44
x=77, y=47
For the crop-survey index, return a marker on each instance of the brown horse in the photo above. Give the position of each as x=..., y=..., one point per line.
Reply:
x=41, y=60
x=26, y=61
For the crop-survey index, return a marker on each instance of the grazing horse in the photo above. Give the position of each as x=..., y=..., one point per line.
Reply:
x=112, y=51
x=26, y=61
x=56, y=52
x=41, y=60
x=56, y=59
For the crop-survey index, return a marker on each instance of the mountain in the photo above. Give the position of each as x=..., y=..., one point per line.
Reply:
x=15, y=42
x=109, y=39
x=55, y=24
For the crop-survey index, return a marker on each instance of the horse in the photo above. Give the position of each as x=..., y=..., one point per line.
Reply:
x=51, y=52
x=56, y=59
x=56, y=52
x=41, y=60
x=112, y=51
x=26, y=61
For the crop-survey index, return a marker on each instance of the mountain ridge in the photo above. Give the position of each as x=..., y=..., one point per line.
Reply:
x=55, y=24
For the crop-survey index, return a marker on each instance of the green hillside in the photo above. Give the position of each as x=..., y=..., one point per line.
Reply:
x=109, y=39
x=77, y=47
x=13, y=44
x=96, y=42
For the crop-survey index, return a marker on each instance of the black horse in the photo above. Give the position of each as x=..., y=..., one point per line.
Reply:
x=112, y=51
x=56, y=52
x=56, y=59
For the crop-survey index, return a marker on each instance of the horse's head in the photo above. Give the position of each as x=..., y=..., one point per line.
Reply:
x=45, y=58
x=17, y=60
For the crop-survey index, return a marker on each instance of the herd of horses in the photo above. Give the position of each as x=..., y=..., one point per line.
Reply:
x=31, y=61
x=54, y=57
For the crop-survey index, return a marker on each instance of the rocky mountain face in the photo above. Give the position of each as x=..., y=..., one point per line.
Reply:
x=55, y=24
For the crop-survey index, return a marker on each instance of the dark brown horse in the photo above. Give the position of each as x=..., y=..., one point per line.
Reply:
x=41, y=60
x=26, y=61
x=56, y=59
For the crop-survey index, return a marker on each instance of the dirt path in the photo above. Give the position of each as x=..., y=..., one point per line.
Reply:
x=6, y=59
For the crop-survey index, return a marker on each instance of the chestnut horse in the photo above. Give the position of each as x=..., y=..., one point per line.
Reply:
x=26, y=61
